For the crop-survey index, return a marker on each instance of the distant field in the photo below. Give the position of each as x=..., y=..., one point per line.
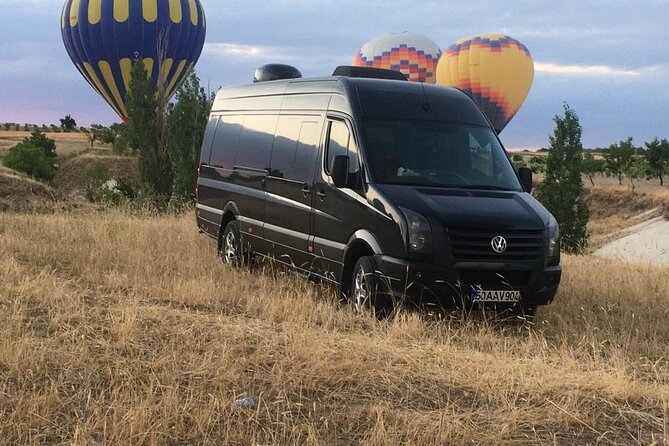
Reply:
x=67, y=144
x=118, y=329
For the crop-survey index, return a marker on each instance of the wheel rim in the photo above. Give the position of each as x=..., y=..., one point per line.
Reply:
x=360, y=290
x=230, y=249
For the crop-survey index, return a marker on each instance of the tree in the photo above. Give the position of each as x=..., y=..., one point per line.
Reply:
x=143, y=132
x=657, y=156
x=592, y=166
x=561, y=190
x=187, y=122
x=636, y=170
x=619, y=157
x=68, y=123
x=90, y=135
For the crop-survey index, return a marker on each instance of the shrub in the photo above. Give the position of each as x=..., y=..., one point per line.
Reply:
x=93, y=177
x=127, y=188
x=26, y=157
x=39, y=139
x=109, y=194
x=120, y=144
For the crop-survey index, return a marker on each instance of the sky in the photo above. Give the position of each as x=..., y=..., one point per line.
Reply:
x=609, y=60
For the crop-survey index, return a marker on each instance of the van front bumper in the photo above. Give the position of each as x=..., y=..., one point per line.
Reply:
x=451, y=285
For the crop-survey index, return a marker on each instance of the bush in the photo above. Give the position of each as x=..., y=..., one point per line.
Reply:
x=27, y=158
x=109, y=194
x=39, y=139
x=127, y=188
x=120, y=145
x=93, y=177
x=116, y=192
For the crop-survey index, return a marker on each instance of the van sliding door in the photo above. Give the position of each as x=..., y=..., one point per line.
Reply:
x=289, y=187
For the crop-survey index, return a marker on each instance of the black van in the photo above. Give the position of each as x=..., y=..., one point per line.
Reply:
x=385, y=187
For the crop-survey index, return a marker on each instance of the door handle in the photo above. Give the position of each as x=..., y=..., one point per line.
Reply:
x=306, y=191
x=321, y=194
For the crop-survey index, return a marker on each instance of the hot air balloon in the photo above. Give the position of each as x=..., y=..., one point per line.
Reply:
x=105, y=37
x=495, y=70
x=413, y=54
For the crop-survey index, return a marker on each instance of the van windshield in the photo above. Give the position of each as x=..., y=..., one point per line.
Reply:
x=429, y=153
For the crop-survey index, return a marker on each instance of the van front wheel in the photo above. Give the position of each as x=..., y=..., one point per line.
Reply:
x=366, y=289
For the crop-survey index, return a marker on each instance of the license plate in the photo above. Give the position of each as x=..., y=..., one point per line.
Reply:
x=478, y=295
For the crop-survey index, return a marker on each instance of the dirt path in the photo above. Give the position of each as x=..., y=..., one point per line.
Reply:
x=648, y=242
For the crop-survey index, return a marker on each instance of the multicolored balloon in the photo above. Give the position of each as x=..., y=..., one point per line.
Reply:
x=105, y=37
x=413, y=54
x=495, y=70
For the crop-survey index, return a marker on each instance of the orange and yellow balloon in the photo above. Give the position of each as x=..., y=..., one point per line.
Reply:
x=495, y=70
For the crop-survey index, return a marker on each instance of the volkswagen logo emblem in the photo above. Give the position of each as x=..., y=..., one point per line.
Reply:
x=498, y=244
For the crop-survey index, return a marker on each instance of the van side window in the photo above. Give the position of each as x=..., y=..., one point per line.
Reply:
x=295, y=147
x=224, y=148
x=340, y=142
x=306, y=145
x=255, y=141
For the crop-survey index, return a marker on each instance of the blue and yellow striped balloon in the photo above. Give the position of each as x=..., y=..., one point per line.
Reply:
x=104, y=37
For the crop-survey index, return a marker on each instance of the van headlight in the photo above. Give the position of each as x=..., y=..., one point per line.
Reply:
x=553, y=240
x=420, y=234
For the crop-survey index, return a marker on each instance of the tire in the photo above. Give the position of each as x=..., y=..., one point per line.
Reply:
x=366, y=290
x=230, y=248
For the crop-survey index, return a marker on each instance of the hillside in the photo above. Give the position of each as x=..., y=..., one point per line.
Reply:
x=614, y=209
x=118, y=328
x=20, y=193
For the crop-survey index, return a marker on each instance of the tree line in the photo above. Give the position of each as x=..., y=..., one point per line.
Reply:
x=624, y=159
x=620, y=160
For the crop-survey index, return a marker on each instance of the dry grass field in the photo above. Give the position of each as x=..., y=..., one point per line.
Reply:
x=126, y=329
x=649, y=187
x=67, y=144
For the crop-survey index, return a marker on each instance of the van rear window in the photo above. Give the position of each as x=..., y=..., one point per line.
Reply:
x=225, y=143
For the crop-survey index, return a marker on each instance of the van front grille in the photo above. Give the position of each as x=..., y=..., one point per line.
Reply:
x=475, y=245
x=495, y=279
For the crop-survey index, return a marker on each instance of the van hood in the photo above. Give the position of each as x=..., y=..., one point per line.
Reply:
x=470, y=208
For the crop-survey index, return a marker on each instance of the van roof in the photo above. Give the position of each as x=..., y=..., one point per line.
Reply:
x=375, y=97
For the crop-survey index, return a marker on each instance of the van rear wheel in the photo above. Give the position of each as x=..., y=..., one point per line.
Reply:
x=365, y=290
x=231, y=245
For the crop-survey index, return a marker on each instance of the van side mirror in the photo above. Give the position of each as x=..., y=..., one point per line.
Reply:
x=339, y=171
x=525, y=174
